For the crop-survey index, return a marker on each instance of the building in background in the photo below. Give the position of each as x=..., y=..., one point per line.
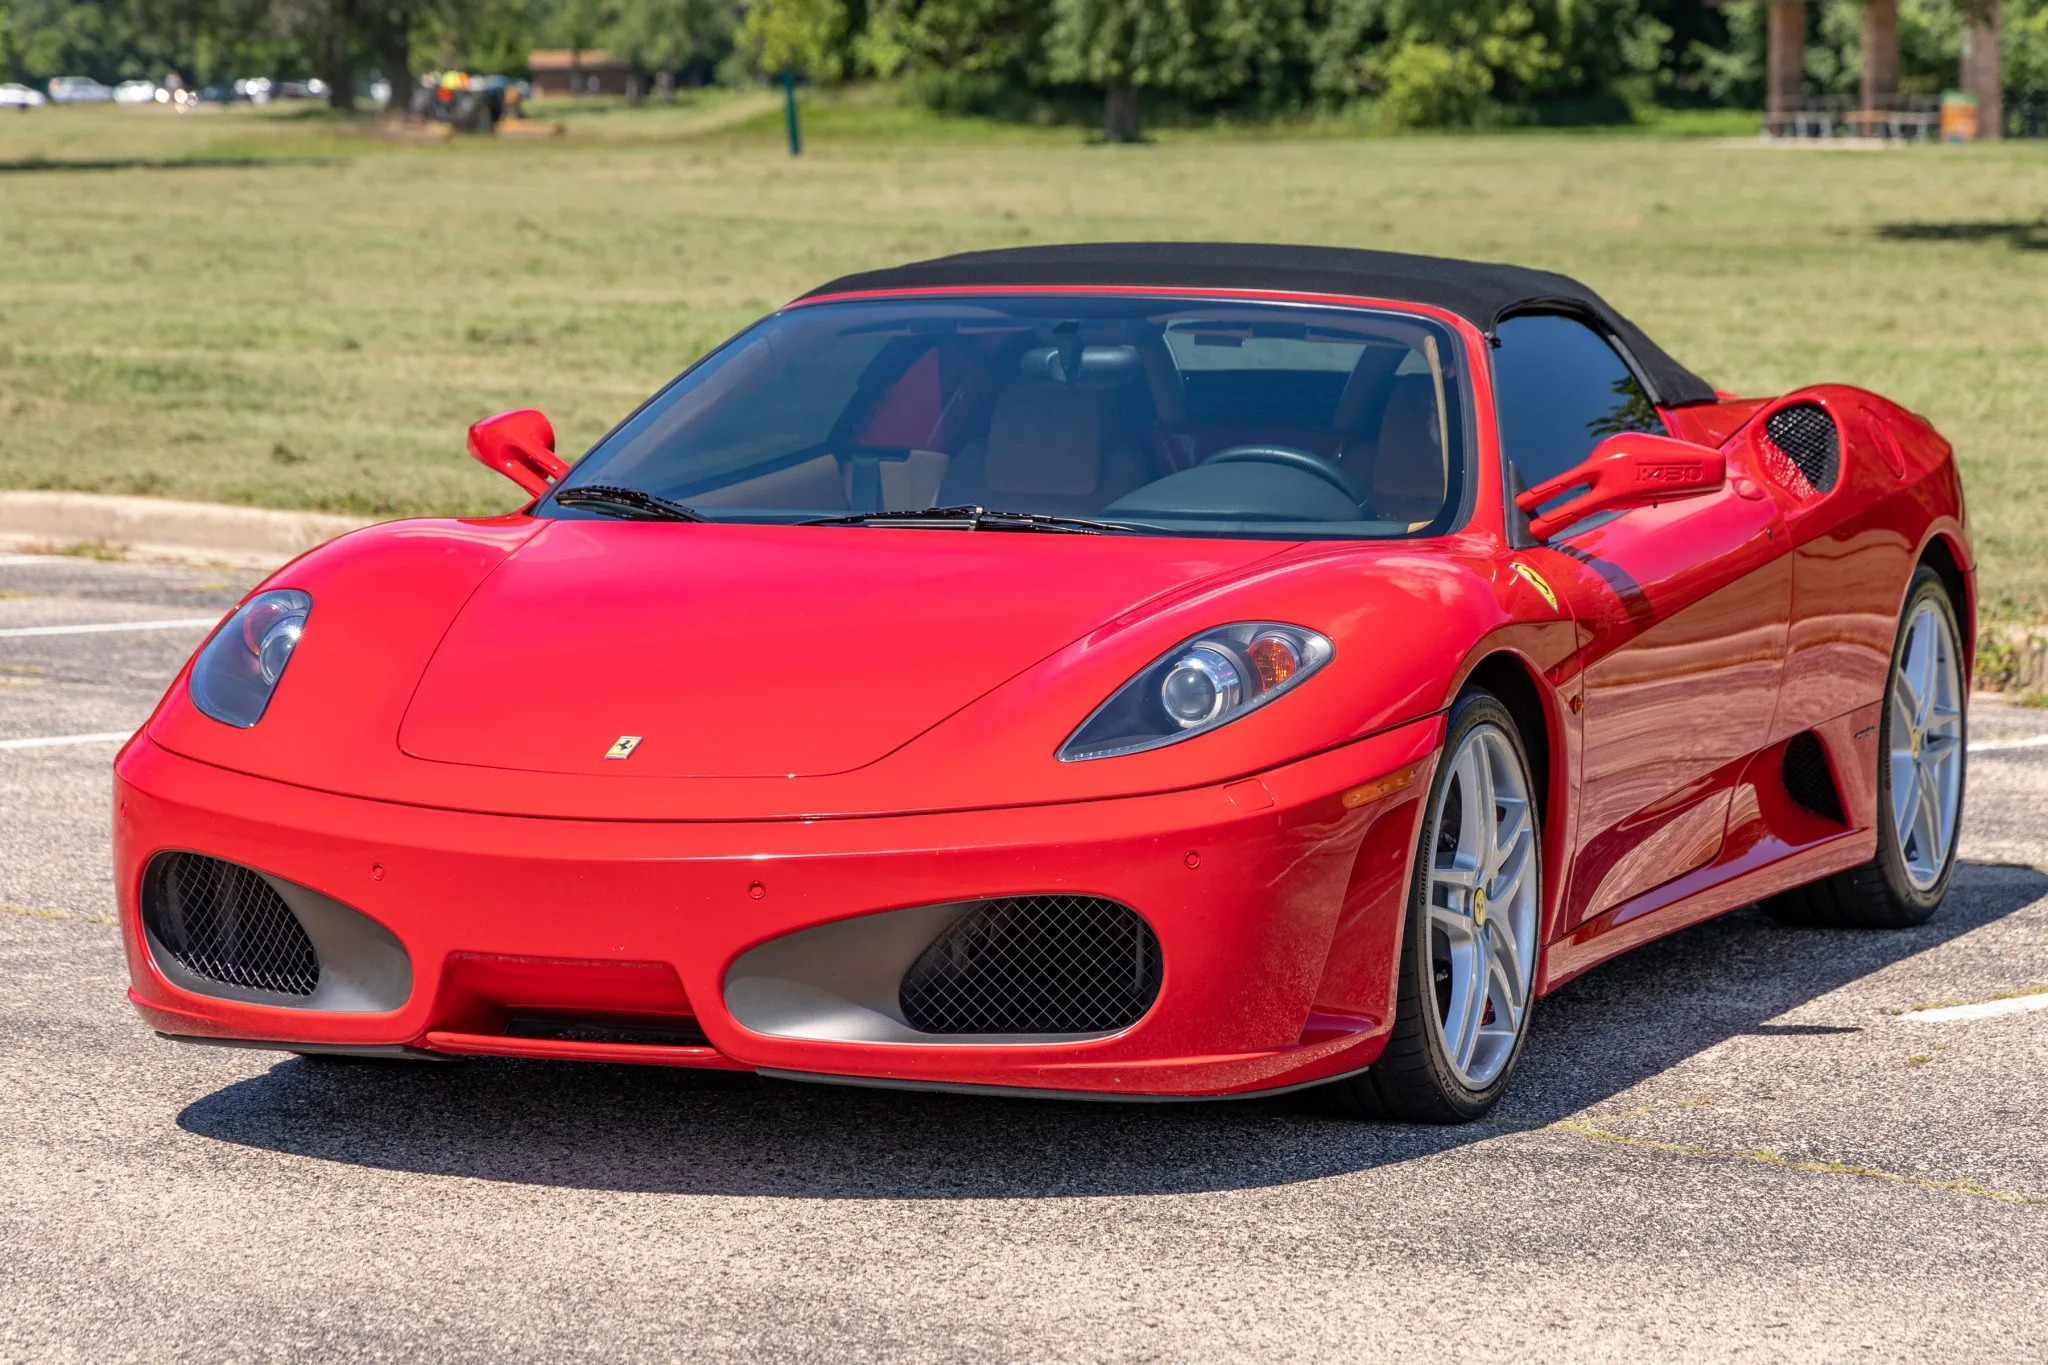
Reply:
x=565, y=72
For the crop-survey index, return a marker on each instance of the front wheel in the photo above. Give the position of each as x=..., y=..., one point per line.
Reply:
x=1468, y=954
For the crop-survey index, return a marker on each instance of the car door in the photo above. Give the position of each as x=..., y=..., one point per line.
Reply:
x=1682, y=611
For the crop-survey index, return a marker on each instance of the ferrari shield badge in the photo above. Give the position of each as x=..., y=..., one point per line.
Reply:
x=1535, y=580
x=623, y=746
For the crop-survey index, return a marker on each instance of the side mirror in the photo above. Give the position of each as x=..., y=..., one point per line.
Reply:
x=521, y=446
x=1629, y=469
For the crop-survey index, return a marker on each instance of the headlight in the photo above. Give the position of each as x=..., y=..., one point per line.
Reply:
x=238, y=669
x=1209, y=681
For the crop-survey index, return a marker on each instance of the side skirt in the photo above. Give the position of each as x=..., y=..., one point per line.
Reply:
x=1773, y=844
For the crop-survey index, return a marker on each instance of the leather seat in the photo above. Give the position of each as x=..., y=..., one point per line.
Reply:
x=1407, y=479
x=1044, y=453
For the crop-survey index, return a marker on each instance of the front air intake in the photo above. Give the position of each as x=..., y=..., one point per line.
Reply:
x=1035, y=965
x=1806, y=435
x=224, y=922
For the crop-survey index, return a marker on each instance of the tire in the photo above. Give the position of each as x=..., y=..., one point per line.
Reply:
x=1420, y=1077
x=1904, y=885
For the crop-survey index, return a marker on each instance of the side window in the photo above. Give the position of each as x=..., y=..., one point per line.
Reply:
x=1559, y=390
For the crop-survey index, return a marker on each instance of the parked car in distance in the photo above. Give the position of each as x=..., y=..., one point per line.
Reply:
x=79, y=90
x=135, y=92
x=20, y=97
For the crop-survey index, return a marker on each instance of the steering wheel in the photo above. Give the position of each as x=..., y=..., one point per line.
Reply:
x=1290, y=458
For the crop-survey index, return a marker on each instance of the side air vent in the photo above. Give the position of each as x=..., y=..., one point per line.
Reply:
x=1806, y=435
x=1808, y=778
x=224, y=922
x=1037, y=965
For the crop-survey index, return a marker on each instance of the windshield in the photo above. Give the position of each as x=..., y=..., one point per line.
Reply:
x=1161, y=416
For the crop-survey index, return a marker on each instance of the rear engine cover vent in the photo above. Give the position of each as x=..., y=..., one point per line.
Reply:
x=1806, y=435
x=1808, y=779
x=224, y=922
x=1038, y=965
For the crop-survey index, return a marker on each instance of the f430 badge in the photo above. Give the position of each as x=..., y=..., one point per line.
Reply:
x=623, y=746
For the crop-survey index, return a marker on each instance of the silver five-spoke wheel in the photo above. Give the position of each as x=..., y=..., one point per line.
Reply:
x=1926, y=745
x=1483, y=905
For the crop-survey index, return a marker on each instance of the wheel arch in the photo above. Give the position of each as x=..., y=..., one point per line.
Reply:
x=1940, y=555
x=1509, y=677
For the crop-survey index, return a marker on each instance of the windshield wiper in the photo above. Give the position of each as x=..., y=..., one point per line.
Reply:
x=972, y=517
x=633, y=504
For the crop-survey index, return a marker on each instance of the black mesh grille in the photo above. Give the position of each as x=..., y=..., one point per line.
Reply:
x=224, y=922
x=1807, y=436
x=1807, y=777
x=1035, y=964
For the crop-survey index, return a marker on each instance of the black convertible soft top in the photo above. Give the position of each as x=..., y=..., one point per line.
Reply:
x=1481, y=292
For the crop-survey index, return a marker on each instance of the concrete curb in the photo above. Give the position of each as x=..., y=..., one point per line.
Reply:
x=245, y=537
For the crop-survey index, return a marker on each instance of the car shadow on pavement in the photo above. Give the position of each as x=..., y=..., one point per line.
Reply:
x=648, y=1129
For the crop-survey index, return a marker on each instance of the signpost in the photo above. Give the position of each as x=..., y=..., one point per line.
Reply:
x=796, y=141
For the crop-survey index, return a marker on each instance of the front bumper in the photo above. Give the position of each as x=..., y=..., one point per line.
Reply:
x=1276, y=900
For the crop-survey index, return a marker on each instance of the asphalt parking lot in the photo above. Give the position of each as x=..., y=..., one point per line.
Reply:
x=1735, y=1144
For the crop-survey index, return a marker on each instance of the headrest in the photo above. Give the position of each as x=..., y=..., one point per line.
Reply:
x=1044, y=438
x=1409, y=463
x=1369, y=379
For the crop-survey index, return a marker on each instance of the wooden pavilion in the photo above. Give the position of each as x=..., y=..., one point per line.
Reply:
x=1788, y=112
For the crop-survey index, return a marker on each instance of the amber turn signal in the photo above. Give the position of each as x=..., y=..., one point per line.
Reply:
x=1274, y=658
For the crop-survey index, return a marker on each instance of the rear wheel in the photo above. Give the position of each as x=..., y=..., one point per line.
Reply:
x=1920, y=763
x=1468, y=955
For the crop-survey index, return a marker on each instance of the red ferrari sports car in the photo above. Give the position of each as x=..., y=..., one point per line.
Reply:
x=1147, y=670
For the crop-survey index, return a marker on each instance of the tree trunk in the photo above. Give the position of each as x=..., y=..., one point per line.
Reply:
x=1881, y=54
x=393, y=51
x=665, y=83
x=1120, y=112
x=1983, y=72
x=341, y=86
x=1785, y=82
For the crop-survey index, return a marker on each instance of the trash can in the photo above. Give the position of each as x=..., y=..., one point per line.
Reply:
x=1958, y=117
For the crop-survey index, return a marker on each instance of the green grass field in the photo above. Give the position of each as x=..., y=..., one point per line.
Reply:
x=282, y=309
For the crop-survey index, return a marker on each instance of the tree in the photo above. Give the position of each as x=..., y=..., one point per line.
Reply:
x=1123, y=46
x=797, y=35
x=956, y=37
x=1200, y=48
x=1880, y=38
x=1982, y=73
x=667, y=35
x=325, y=30
x=579, y=25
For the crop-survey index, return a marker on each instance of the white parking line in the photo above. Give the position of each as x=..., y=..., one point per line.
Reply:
x=1955, y=1014
x=182, y=623
x=1990, y=746
x=52, y=741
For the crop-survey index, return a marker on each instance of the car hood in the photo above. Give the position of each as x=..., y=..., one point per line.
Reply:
x=805, y=673
x=729, y=652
